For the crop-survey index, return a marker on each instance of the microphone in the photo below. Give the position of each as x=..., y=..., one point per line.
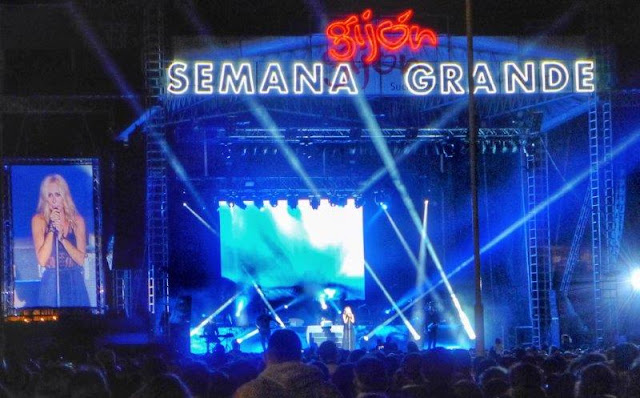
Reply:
x=53, y=228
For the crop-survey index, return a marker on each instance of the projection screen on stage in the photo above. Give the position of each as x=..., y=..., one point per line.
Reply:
x=303, y=250
x=52, y=232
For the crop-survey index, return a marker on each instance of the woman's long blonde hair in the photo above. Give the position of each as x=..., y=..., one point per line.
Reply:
x=68, y=205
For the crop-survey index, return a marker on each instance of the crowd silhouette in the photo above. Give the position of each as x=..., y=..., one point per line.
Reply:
x=286, y=370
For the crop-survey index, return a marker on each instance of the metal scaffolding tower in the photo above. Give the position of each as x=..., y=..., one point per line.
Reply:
x=156, y=166
x=601, y=184
x=122, y=291
x=538, y=243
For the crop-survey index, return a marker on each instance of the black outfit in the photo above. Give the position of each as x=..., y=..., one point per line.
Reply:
x=73, y=292
x=433, y=322
x=263, y=322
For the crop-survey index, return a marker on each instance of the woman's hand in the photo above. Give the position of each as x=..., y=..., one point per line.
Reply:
x=56, y=220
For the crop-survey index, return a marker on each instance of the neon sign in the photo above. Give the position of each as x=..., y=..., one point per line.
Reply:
x=355, y=32
x=415, y=78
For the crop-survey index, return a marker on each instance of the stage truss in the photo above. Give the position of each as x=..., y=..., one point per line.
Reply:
x=341, y=121
x=605, y=196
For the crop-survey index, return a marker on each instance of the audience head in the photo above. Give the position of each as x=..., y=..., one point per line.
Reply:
x=343, y=379
x=466, y=389
x=525, y=375
x=371, y=375
x=88, y=382
x=596, y=380
x=328, y=352
x=284, y=346
x=624, y=355
x=163, y=386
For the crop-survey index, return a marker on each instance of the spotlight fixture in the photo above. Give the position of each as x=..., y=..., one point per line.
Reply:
x=448, y=149
x=359, y=201
x=273, y=201
x=411, y=133
x=292, y=201
x=314, y=201
x=338, y=200
x=381, y=198
x=514, y=146
x=241, y=204
x=259, y=203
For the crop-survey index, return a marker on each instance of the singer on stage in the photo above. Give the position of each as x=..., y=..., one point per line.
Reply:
x=60, y=242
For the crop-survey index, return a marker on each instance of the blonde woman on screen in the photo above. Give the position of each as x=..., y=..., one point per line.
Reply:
x=60, y=242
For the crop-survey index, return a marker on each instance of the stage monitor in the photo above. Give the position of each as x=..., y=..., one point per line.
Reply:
x=51, y=235
x=286, y=250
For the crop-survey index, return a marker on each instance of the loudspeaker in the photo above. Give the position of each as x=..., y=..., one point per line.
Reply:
x=129, y=193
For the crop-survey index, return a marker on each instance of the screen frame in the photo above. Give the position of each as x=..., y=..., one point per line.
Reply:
x=8, y=267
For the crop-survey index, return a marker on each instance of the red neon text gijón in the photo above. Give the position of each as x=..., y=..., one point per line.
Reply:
x=355, y=32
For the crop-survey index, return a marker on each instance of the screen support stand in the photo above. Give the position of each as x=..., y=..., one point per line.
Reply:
x=55, y=237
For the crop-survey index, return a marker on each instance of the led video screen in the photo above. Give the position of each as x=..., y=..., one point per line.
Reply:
x=281, y=248
x=53, y=234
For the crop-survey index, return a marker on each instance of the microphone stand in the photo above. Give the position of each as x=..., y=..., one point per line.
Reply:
x=55, y=237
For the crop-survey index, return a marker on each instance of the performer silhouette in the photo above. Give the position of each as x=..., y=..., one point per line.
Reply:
x=433, y=322
x=349, y=334
x=263, y=322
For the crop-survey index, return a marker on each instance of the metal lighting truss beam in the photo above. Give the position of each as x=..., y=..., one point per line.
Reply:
x=355, y=135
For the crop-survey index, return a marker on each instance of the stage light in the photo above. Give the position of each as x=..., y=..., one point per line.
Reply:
x=359, y=201
x=259, y=203
x=381, y=198
x=366, y=338
x=338, y=200
x=635, y=279
x=411, y=133
x=330, y=292
x=241, y=204
x=449, y=149
x=273, y=201
x=292, y=201
x=240, y=305
x=195, y=331
x=247, y=336
x=314, y=201
x=323, y=302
